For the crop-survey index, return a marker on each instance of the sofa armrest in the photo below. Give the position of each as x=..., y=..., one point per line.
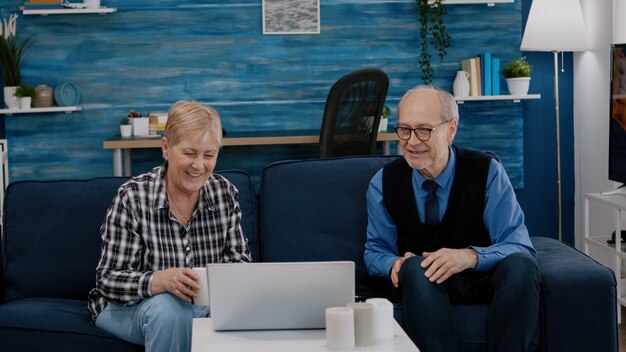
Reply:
x=579, y=303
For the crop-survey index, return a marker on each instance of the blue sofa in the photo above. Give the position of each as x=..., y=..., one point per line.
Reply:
x=305, y=211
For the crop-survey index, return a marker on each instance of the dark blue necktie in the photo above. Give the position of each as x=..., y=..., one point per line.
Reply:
x=432, y=205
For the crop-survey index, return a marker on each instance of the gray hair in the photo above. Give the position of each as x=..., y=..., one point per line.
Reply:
x=449, y=107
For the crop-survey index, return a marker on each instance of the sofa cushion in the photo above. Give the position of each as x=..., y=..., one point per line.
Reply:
x=315, y=210
x=51, y=314
x=62, y=323
x=51, y=242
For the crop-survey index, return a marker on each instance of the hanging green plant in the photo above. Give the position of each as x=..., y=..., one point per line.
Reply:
x=433, y=33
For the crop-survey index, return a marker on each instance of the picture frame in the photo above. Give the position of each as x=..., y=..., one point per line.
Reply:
x=291, y=16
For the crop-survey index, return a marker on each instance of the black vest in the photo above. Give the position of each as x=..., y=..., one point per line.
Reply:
x=462, y=224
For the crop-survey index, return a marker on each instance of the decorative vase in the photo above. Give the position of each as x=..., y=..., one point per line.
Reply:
x=141, y=126
x=126, y=130
x=43, y=97
x=383, y=124
x=25, y=102
x=10, y=99
x=461, y=85
x=518, y=85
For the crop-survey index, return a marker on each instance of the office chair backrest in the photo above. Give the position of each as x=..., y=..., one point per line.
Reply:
x=352, y=114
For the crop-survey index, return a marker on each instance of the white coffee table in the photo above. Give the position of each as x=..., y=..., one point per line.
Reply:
x=204, y=339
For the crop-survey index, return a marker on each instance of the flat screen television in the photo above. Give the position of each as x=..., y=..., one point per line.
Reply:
x=617, y=120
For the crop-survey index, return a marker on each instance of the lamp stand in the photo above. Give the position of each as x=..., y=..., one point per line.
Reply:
x=558, y=140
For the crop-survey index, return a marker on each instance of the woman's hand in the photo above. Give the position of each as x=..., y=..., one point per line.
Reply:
x=181, y=282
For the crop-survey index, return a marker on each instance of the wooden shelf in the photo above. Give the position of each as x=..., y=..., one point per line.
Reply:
x=70, y=11
x=66, y=109
x=468, y=2
x=515, y=98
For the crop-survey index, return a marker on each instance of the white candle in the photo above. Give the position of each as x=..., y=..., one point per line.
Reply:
x=363, y=323
x=339, y=328
x=383, y=319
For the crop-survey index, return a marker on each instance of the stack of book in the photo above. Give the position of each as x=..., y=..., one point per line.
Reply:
x=484, y=74
x=43, y=4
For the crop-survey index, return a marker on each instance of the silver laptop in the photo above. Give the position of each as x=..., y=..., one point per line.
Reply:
x=263, y=296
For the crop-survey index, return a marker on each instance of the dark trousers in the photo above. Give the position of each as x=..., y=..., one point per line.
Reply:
x=511, y=289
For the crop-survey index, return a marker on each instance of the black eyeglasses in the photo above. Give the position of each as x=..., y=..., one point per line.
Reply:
x=422, y=133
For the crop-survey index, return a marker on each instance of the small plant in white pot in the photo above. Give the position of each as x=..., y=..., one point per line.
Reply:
x=384, y=119
x=25, y=94
x=517, y=74
x=126, y=128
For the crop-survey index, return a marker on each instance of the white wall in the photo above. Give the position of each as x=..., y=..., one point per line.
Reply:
x=591, y=116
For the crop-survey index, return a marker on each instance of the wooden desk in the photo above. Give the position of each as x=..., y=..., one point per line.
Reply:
x=124, y=145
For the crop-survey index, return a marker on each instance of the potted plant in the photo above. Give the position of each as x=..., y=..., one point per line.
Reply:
x=384, y=119
x=25, y=94
x=432, y=14
x=126, y=128
x=141, y=124
x=11, y=52
x=517, y=74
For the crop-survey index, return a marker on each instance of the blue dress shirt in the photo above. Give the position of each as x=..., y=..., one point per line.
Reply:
x=503, y=218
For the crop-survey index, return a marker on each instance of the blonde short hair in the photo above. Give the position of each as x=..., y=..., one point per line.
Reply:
x=192, y=119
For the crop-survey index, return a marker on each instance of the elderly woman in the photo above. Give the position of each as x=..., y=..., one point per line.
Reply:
x=159, y=226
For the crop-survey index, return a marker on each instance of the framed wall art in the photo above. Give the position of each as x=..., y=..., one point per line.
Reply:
x=291, y=17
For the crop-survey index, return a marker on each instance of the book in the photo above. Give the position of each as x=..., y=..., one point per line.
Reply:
x=46, y=2
x=495, y=75
x=479, y=83
x=34, y=4
x=29, y=6
x=486, y=73
x=469, y=66
x=482, y=73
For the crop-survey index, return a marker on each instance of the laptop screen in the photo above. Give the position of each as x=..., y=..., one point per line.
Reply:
x=291, y=295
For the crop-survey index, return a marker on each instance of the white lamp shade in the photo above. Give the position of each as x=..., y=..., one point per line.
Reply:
x=555, y=25
x=619, y=25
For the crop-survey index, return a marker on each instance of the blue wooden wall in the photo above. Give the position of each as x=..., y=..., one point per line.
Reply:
x=150, y=54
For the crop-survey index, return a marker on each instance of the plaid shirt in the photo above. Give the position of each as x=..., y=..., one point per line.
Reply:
x=141, y=236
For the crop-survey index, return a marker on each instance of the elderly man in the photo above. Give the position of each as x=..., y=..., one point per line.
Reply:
x=445, y=227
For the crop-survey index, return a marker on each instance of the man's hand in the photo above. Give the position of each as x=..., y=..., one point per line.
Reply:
x=395, y=269
x=442, y=264
x=181, y=282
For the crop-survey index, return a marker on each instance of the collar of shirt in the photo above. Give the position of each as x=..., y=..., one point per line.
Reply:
x=160, y=192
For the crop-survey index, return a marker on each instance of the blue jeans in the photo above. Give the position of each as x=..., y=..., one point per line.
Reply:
x=162, y=322
x=511, y=289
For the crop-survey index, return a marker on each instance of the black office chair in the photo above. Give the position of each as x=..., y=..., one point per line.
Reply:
x=352, y=114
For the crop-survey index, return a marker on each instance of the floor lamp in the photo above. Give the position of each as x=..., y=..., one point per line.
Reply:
x=555, y=26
